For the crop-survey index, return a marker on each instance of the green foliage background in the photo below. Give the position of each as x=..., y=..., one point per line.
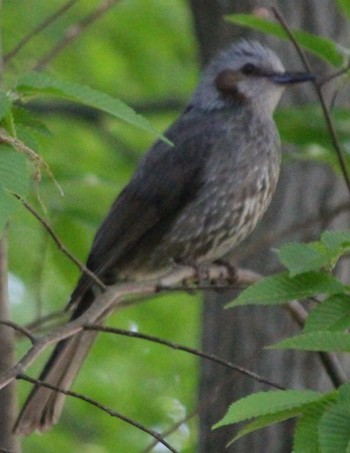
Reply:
x=140, y=52
x=144, y=53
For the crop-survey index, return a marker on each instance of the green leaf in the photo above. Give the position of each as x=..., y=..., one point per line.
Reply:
x=306, y=431
x=14, y=177
x=23, y=117
x=334, y=429
x=336, y=239
x=327, y=341
x=280, y=288
x=265, y=420
x=344, y=5
x=8, y=205
x=35, y=83
x=323, y=47
x=14, y=173
x=300, y=258
x=344, y=392
x=332, y=314
x=264, y=403
x=5, y=105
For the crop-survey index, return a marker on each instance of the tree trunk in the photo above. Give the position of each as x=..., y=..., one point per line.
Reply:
x=304, y=190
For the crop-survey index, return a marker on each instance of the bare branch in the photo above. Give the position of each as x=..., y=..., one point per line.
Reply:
x=326, y=113
x=333, y=76
x=100, y=406
x=112, y=297
x=179, y=347
x=19, y=328
x=44, y=24
x=73, y=32
x=61, y=246
x=43, y=320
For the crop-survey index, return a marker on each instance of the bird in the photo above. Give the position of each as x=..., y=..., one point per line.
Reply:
x=190, y=201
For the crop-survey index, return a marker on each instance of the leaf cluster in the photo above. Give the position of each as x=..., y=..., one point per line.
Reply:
x=323, y=419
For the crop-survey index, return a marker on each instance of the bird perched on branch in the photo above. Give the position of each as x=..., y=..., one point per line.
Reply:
x=191, y=202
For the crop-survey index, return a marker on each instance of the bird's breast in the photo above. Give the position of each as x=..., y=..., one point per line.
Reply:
x=240, y=177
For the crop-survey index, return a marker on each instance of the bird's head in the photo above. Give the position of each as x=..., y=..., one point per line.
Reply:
x=247, y=72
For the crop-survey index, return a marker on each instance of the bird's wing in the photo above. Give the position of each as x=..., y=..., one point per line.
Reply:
x=165, y=181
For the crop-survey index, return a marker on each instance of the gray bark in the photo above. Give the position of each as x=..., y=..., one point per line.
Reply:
x=304, y=190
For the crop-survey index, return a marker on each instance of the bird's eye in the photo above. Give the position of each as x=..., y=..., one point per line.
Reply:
x=249, y=69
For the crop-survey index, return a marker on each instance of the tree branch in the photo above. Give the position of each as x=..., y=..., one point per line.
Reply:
x=104, y=303
x=73, y=32
x=81, y=266
x=44, y=24
x=100, y=406
x=179, y=347
x=326, y=113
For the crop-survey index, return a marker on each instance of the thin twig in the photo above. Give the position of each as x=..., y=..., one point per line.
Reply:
x=61, y=246
x=42, y=320
x=73, y=32
x=171, y=430
x=333, y=76
x=100, y=406
x=23, y=330
x=38, y=29
x=179, y=347
x=326, y=113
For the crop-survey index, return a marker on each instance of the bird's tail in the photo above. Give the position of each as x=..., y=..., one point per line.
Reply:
x=43, y=406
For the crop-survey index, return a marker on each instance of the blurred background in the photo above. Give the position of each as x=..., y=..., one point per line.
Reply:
x=150, y=54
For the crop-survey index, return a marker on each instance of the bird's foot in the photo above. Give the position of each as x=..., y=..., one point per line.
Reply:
x=227, y=278
x=200, y=275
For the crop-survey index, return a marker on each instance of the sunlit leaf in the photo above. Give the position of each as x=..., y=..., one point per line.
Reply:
x=36, y=83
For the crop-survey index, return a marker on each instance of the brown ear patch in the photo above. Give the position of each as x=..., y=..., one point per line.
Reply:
x=226, y=81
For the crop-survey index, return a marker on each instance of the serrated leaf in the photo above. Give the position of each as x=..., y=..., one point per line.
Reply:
x=5, y=105
x=300, y=258
x=35, y=83
x=332, y=314
x=280, y=288
x=264, y=421
x=264, y=403
x=327, y=341
x=334, y=429
x=321, y=46
x=306, y=430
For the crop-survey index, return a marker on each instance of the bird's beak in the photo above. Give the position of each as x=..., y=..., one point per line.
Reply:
x=285, y=78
